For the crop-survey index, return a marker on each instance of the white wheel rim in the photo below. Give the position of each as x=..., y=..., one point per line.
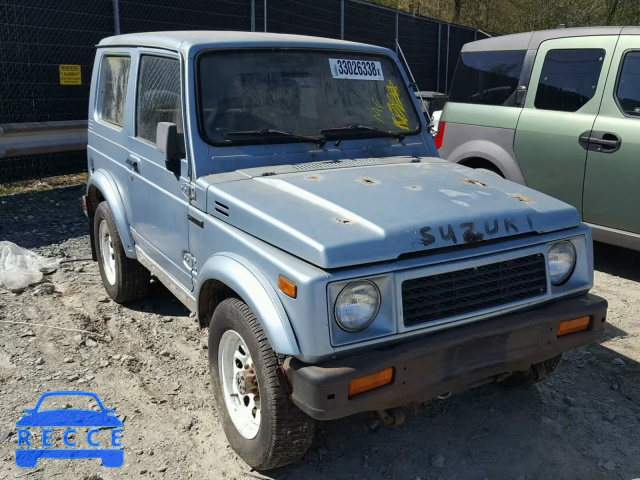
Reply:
x=107, y=252
x=234, y=365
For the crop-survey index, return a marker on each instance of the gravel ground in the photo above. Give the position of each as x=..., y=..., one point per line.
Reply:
x=148, y=360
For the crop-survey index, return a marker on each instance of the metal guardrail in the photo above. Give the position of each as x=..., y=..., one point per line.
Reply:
x=19, y=139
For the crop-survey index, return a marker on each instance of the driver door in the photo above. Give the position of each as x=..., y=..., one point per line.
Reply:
x=159, y=202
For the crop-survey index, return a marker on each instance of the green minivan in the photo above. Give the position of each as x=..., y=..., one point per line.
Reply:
x=559, y=111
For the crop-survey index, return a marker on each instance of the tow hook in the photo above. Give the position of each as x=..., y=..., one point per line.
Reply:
x=392, y=416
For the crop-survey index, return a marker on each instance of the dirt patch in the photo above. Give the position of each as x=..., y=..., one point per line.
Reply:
x=42, y=184
x=148, y=361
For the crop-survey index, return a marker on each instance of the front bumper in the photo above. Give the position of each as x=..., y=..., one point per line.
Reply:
x=446, y=361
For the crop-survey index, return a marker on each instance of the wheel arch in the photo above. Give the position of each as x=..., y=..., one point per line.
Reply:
x=479, y=162
x=488, y=153
x=227, y=275
x=102, y=187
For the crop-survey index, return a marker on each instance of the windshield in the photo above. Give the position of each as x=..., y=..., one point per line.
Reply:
x=263, y=96
x=79, y=402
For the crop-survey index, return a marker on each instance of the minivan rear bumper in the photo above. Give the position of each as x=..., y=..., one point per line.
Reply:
x=446, y=361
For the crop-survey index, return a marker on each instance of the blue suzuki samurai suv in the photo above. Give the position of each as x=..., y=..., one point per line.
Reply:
x=287, y=190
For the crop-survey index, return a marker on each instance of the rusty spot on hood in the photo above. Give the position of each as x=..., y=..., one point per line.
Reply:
x=521, y=198
x=368, y=181
x=475, y=183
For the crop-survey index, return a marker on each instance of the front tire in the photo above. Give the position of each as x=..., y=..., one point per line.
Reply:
x=261, y=423
x=123, y=278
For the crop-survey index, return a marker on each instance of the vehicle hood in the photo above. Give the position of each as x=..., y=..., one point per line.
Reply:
x=346, y=216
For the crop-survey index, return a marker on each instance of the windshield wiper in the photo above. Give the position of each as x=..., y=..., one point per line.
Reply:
x=320, y=140
x=356, y=127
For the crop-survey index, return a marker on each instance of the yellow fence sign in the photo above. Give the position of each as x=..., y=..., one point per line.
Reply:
x=70, y=75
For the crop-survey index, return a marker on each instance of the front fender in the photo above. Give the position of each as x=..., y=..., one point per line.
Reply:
x=256, y=291
x=104, y=182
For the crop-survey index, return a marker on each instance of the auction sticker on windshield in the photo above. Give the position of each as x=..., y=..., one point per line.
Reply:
x=356, y=69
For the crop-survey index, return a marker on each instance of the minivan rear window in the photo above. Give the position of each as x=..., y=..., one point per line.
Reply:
x=487, y=78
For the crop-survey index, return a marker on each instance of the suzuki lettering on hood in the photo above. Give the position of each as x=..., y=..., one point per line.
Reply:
x=349, y=216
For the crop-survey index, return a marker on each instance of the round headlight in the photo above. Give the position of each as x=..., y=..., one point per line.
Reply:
x=562, y=259
x=357, y=305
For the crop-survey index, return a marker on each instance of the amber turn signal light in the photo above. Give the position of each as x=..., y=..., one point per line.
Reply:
x=375, y=380
x=572, y=326
x=287, y=287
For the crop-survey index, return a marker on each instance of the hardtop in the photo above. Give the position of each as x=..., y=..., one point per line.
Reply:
x=189, y=43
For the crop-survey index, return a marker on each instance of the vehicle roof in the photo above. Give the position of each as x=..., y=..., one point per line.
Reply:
x=532, y=40
x=65, y=393
x=189, y=42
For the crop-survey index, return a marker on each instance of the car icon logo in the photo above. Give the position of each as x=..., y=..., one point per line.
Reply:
x=70, y=419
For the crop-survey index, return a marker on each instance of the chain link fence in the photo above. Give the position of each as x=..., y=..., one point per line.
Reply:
x=38, y=36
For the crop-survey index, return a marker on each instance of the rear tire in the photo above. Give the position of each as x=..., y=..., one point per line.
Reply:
x=535, y=374
x=123, y=278
x=278, y=433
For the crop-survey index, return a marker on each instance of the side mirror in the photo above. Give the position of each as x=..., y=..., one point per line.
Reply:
x=171, y=144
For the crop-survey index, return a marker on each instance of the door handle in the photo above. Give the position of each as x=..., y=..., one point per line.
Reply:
x=606, y=143
x=132, y=164
x=603, y=142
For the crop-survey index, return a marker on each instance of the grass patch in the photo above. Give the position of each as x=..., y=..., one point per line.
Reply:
x=42, y=184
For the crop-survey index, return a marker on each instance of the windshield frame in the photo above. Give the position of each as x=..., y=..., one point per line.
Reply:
x=264, y=140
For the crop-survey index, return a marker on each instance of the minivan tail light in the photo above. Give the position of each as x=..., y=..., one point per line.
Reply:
x=439, y=138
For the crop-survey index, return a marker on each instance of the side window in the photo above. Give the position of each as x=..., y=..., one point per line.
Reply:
x=487, y=78
x=159, y=97
x=568, y=79
x=112, y=88
x=628, y=90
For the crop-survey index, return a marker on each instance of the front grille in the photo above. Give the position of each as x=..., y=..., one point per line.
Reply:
x=437, y=297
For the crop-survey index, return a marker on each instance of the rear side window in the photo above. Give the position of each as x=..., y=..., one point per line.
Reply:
x=159, y=97
x=487, y=78
x=112, y=92
x=569, y=79
x=628, y=90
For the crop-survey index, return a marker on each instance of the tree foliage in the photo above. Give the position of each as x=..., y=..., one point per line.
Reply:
x=511, y=16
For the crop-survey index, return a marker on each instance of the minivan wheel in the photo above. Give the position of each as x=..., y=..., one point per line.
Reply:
x=123, y=278
x=536, y=373
x=260, y=421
